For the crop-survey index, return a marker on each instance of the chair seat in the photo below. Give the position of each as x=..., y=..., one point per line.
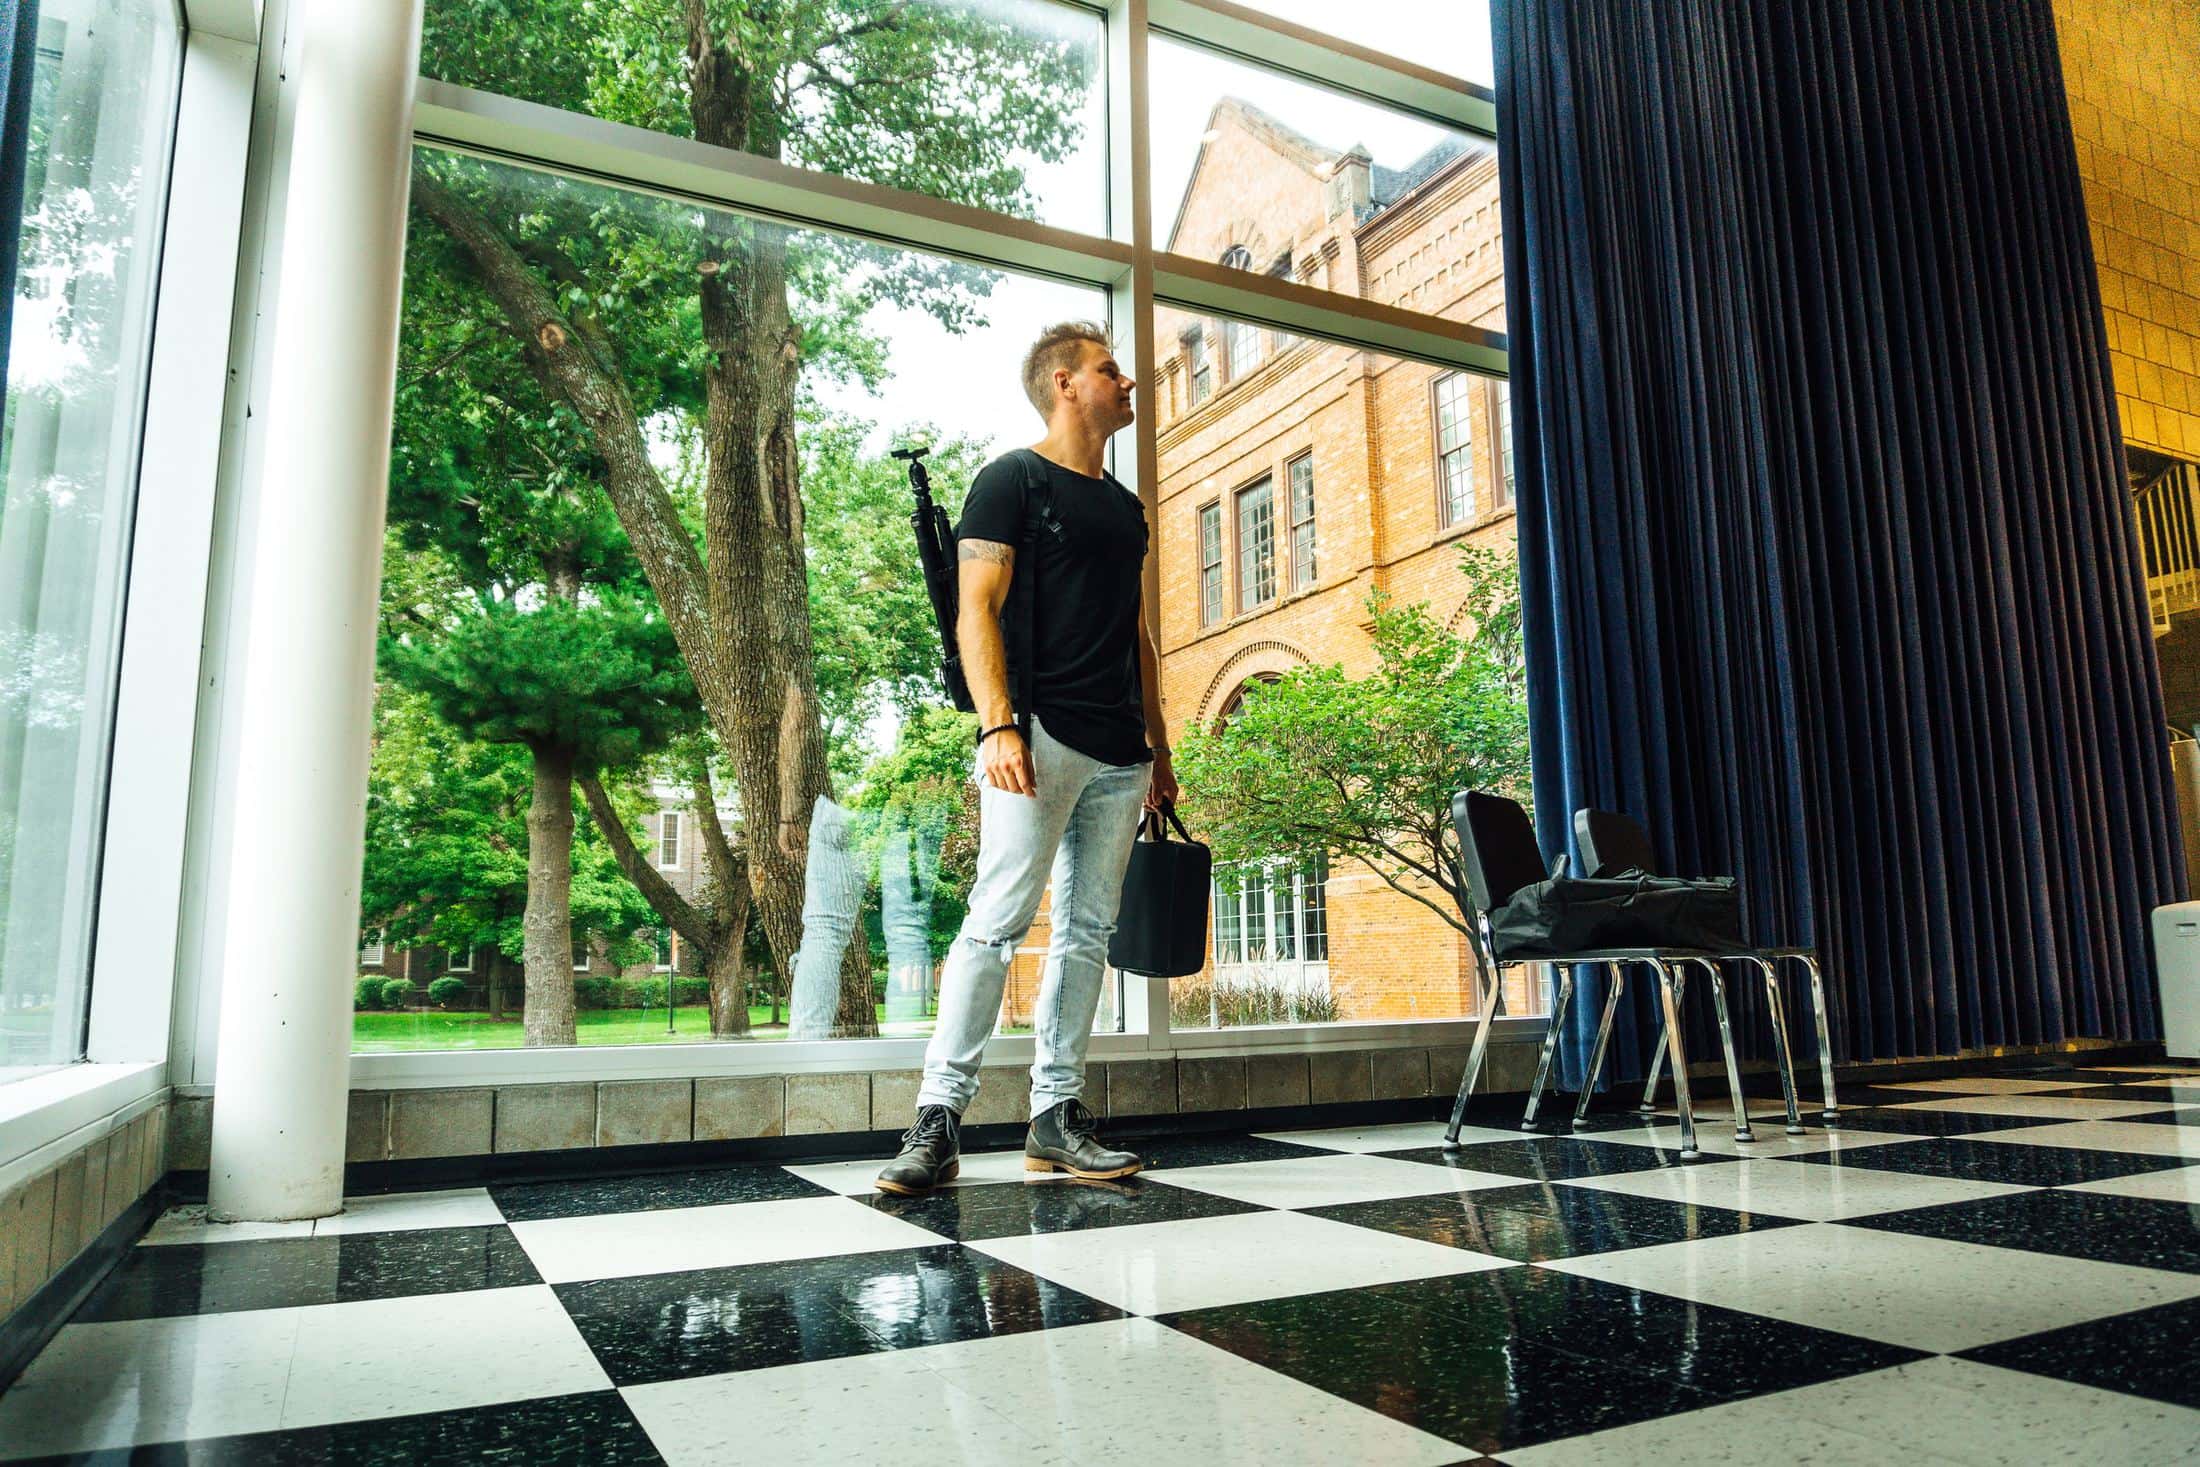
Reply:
x=1621, y=955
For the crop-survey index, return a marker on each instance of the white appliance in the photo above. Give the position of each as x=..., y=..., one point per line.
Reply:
x=2177, y=973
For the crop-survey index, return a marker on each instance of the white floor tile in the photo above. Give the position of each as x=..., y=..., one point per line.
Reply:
x=2041, y=1107
x=149, y=1380
x=462, y=1207
x=866, y=1408
x=1328, y=1181
x=1799, y=1189
x=1155, y=1268
x=1992, y=1085
x=980, y=1168
x=356, y=1362
x=1927, y=1293
x=2144, y=1137
x=1133, y=1393
x=133, y=1381
x=1939, y=1410
x=191, y=1225
x=2178, y=1184
x=1402, y=1136
x=1772, y=1138
x=673, y=1240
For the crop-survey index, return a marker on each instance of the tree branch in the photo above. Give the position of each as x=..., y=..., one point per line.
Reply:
x=679, y=913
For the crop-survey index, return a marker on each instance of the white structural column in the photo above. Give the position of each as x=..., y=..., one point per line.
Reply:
x=305, y=701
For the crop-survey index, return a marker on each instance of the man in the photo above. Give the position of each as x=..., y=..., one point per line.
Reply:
x=1069, y=800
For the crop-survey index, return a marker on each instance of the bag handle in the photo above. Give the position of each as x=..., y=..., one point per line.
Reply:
x=1150, y=826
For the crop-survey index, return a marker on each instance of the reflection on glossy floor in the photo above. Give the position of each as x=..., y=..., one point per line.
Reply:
x=1993, y=1271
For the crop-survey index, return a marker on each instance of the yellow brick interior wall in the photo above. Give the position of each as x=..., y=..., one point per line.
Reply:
x=2132, y=69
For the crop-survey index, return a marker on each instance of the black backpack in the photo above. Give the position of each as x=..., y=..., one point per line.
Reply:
x=938, y=553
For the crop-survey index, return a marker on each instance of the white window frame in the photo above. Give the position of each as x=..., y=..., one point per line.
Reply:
x=1450, y=391
x=668, y=829
x=473, y=957
x=1213, y=609
x=1254, y=575
x=1306, y=563
x=225, y=224
x=373, y=954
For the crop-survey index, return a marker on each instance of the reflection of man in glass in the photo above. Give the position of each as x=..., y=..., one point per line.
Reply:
x=905, y=844
x=1067, y=800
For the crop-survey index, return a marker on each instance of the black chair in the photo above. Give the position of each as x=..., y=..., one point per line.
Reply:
x=1497, y=842
x=1610, y=843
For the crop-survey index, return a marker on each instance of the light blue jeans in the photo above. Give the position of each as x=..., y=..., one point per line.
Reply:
x=1080, y=824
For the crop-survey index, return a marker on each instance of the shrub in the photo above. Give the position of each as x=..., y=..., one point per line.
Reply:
x=592, y=993
x=1196, y=1004
x=445, y=992
x=397, y=993
x=367, y=992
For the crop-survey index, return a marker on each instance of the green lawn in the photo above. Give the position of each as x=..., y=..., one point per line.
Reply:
x=381, y=1033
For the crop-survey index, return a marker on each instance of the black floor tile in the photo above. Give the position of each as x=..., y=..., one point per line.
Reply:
x=2135, y=1230
x=218, y=1278
x=2168, y=1092
x=1503, y=1359
x=1554, y=1158
x=671, y=1326
x=2149, y=1353
x=1160, y=1152
x=705, y=1187
x=2185, y=1117
x=1936, y=1122
x=1008, y=1209
x=1863, y=1097
x=591, y=1430
x=1996, y=1161
x=1531, y=1223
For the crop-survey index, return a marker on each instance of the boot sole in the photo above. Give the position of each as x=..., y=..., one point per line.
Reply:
x=1041, y=1164
x=954, y=1170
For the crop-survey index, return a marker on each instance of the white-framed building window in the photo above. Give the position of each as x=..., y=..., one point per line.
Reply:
x=1454, y=452
x=1256, y=544
x=668, y=839
x=1502, y=395
x=1299, y=474
x=1271, y=926
x=461, y=962
x=1210, y=563
x=373, y=954
x=663, y=939
x=1198, y=368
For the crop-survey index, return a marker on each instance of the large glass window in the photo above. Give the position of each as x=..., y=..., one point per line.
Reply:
x=1379, y=704
x=997, y=104
x=1265, y=172
x=560, y=745
x=79, y=310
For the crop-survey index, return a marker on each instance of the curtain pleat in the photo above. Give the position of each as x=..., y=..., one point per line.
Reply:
x=1829, y=568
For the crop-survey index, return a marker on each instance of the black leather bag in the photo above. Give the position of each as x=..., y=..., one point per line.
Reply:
x=1161, y=926
x=1570, y=914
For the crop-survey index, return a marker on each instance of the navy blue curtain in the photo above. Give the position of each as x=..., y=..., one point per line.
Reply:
x=1829, y=568
x=18, y=61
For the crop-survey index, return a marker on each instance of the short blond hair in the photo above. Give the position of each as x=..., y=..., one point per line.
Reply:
x=1058, y=348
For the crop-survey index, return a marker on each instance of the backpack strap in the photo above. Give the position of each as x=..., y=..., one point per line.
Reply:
x=1038, y=507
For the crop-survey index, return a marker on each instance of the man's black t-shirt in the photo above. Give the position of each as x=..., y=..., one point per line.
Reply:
x=1085, y=621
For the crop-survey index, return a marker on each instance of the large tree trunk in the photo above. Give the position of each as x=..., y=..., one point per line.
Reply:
x=729, y=986
x=500, y=968
x=548, y=925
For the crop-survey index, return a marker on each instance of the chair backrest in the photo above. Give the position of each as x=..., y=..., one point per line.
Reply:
x=1497, y=846
x=1611, y=843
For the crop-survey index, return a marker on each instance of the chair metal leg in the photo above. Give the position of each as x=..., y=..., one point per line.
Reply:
x=1830, y=1113
x=1742, y=1132
x=1474, y=1056
x=1618, y=976
x=1670, y=982
x=1776, y=1004
x=1550, y=1043
x=1649, y=1105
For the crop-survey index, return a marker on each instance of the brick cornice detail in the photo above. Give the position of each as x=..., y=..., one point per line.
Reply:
x=1271, y=656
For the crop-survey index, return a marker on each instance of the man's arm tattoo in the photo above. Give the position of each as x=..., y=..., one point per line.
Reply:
x=992, y=551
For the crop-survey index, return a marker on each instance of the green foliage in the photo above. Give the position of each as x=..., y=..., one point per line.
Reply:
x=397, y=993
x=1366, y=767
x=447, y=992
x=638, y=993
x=367, y=992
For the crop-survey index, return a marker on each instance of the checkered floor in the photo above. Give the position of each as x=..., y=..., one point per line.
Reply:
x=1997, y=1269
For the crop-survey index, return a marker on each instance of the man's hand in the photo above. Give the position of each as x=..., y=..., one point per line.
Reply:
x=1006, y=761
x=1162, y=790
